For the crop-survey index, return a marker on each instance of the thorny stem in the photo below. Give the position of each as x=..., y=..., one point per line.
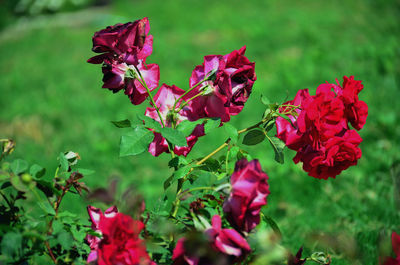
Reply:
x=143, y=82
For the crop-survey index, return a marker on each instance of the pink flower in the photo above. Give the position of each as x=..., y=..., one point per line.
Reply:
x=120, y=243
x=124, y=49
x=227, y=241
x=249, y=193
x=226, y=91
x=165, y=99
x=95, y=215
x=396, y=250
x=320, y=133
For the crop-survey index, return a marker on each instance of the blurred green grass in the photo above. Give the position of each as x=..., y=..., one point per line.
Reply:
x=51, y=100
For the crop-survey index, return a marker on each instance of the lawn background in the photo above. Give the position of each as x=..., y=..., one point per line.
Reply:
x=51, y=100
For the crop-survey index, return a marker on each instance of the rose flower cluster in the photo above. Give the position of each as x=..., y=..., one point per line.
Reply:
x=319, y=129
x=242, y=210
x=219, y=87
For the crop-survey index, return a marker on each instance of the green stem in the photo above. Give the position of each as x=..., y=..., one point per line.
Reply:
x=226, y=143
x=143, y=82
x=194, y=189
x=190, y=89
x=187, y=101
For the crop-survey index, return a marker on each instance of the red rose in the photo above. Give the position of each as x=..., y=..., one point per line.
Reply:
x=320, y=132
x=124, y=49
x=165, y=99
x=249, y=193
x=226, y=92
x=356, y=110
x=332, y=157
x=120, y=242
x=95, y=215
x=396, y=250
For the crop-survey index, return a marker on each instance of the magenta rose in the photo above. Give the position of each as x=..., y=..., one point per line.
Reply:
x=249, y=193
x=396, y=250
x=226, y=91
x=124, y=49
x=95, y=215
x=165, y=99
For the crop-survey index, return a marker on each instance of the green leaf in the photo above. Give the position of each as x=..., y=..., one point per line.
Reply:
x=273, y=225
x=37, y=171
x=278, y=147
x=204, y=178
x=11, y=244
x=174, y=136
x=136, y=142
x=211, y=124
x=265, y=100
x=18, y=166
x=176, y=161
x=122, y=124
x=233, y=152
x=187, y=127
x=65, y=240
x=232, y=132
x=150, y=123
x=46, y=207
x=63, y=162
x=254, y=137
x=57, y=226
x=85, y=172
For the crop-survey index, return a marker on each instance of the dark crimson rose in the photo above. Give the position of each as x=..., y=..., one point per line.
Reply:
x=249, y=193
x=95, y=215
x=165, y=99
x=121, y=243
x=320, y=130
x=124, y=49
x=396, y=250
x=227, y=241
x=228, y=88
x=129, y=42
